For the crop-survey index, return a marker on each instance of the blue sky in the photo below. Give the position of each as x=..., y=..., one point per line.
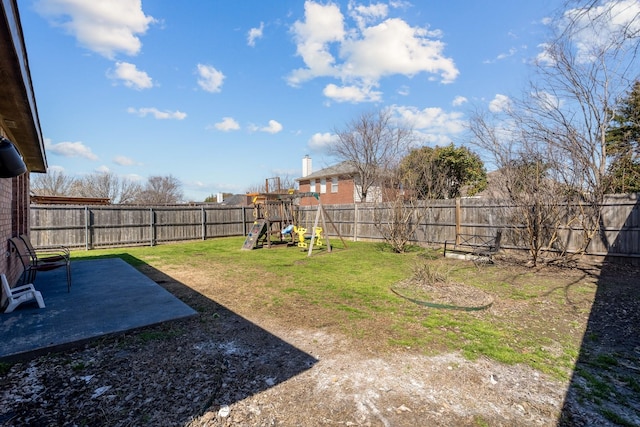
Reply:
x=222, y=94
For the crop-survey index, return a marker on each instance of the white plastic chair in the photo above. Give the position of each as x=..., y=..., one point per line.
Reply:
x=20, y=294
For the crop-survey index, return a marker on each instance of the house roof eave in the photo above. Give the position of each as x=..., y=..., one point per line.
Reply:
x=18, y=110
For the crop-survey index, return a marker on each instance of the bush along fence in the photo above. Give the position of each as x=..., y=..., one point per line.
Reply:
x=437, y=221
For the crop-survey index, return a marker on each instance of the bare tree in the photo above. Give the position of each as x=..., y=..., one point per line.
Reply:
x=52, y=183
x=589, y=65
x=562, y=120
x=107, y=185
x=372, y=144
x=161, y=190
x=277, y=184
x=584, y=14
x=129, y=190
x=398, y=218
x=523, y=180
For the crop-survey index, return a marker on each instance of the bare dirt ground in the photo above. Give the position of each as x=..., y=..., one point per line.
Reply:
x=237, y=364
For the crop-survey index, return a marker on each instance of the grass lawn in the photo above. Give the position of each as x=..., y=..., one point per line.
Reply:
x=538, y=317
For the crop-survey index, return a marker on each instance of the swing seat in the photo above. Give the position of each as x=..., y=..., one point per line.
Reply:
x=300, y=231
x=318, y=232
x=16, y=296
x=302, y=237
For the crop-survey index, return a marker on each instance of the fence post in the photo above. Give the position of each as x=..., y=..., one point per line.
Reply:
x=356, y=213
x=203, y=218
x=458, y=219
x=87, y=218
x=244, y=220
x=152, y=230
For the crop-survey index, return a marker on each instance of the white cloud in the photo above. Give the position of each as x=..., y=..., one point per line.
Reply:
x=547, y=101
x=499, y=103
x=544, y=57
x=601, y=27
x=459, y=100
x=103, y=26
x=131, y=76
x=210, y=79
x=71, y=149
x=431, y=119
x=367, y=14
x=511, y=52
x=254, y=34
x=502, y=56
x=227, y=124
x=360, y=57
x=400, y=4
x=351, y=93
x=431, y=125
x=124, y=161
x=394, y=47
x=160, y=115
x=323, y=24
x=103, y=169
x=322, y=141
x=273, y=127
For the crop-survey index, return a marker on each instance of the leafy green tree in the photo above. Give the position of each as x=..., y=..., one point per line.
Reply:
x=443, y=172
x=623, y=144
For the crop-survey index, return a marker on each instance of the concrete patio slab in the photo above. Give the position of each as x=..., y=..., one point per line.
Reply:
x=108, y=296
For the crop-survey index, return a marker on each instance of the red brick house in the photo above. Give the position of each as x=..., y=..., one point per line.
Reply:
x=335, y=184
x=19, y=124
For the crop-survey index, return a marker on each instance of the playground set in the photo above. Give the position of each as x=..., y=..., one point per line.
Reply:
x=277, y=222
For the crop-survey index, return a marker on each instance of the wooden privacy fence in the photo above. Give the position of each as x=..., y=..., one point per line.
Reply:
x=120, y=225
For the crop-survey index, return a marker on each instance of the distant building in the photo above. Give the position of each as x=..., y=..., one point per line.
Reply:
x=236, y=200
x=335, y=185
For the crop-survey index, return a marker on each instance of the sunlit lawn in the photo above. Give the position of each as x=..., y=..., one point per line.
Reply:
x=531, y=321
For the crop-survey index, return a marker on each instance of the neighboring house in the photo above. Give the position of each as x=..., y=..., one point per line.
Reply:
x=237, y=200
x=20, y=124
x=336, y=185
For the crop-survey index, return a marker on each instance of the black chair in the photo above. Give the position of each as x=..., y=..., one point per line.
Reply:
x=33, y=260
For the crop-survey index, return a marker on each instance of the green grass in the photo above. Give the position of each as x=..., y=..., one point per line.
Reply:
x=617, y=418
x=350, y=288
x=5, y=367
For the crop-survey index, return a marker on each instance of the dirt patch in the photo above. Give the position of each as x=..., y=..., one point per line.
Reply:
x=242, y=361
x=444, y=295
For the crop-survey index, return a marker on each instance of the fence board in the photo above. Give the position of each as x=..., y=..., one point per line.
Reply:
x=121, y=225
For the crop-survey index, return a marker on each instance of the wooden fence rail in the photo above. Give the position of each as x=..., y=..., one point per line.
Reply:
x=92, y=227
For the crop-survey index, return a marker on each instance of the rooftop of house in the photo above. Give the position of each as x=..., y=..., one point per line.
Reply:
x=18, y=112
x=342, y=168
x=236, y=200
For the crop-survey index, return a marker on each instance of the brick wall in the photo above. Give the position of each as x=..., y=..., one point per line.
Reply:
x=343, y=196
x=14, y=220
x=6, y=191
